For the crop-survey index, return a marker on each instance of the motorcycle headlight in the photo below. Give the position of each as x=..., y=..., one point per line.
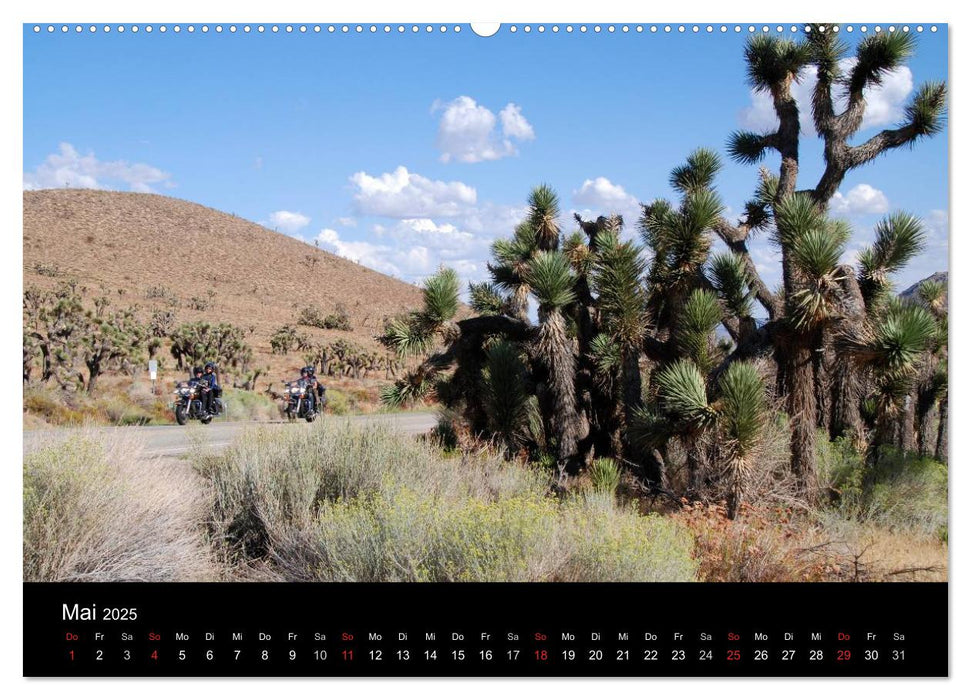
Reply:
x=295, y=390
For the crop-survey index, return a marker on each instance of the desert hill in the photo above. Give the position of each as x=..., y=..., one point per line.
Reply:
x=164, y=253
x=910, y=294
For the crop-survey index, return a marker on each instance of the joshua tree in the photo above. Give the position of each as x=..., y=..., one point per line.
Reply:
x=603, y=326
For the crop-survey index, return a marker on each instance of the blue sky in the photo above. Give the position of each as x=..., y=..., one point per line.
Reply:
x=407, y=151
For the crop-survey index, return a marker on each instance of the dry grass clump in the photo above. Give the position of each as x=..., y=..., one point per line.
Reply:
x=339, y=503
x=757, y=546
x=94, y=510
x=115, y=403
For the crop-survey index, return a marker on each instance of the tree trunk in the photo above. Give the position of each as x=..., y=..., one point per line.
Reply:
x=697, y=463
x=801, y=407
x=926, y=413
x=906, y=426
x=940, y=452
x=823, y=358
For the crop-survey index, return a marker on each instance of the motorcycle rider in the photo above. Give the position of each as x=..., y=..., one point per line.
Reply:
x=307, y=382
x=318, y=389
x=209, y=375
x=205, y=395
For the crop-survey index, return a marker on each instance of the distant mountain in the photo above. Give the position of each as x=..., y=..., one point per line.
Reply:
x=911, y=292
x=164, y=253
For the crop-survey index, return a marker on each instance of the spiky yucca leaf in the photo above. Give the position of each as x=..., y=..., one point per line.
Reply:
x=878, y=55
x=408, y=335
x=701, y=210
x=746, y=147
x=696, y=322
x=932, y=293
x=728, y=276
x=743, y=408
x=504, y=395
x=647, y=428
x=901, y=337
x=894, y=343
x=618, y=281
x=441, y=294
x=604, y=475
x=697, y=173
x=578, y=252
x=770, y=61
x=409, y=390
x=485, y=299
x=544, y=210
x=654, y=217
x=551, y=280
x=605, y=354
x=899, y=237
x=816, y=253
x=681, y=390
x=826, y=51
x=795, y=216
x=925, y=113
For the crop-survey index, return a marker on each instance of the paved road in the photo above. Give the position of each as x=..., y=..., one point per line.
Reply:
x=172, y=440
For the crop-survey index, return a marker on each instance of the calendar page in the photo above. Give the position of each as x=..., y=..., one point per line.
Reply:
x=525, y=349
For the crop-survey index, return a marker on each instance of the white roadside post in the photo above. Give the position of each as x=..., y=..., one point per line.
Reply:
x=153, y=372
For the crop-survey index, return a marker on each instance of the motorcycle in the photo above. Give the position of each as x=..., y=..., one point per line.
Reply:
x=298, y=404
x=188, y=404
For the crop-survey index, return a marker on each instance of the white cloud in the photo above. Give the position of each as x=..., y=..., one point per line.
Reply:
x=68, y=168
x=347, y=221
x=467, y=131
x=601, y=197
x=288, y=222
x=514, y=124
x=862, y=199
x=401, y=195
x=937, y=227
x=884, y=103
x=601, y=192
x=413, y=249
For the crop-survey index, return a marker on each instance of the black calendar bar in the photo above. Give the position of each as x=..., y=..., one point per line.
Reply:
x=622, y=629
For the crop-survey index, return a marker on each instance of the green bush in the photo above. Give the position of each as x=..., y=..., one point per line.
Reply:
x=893, y=488
x=339, y=503
x=337, y=403
x=250, y=405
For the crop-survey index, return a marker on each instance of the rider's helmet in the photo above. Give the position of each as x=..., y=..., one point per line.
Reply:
x=304, y=372
x=309, y=370
x=196, y=371
x=210, y=366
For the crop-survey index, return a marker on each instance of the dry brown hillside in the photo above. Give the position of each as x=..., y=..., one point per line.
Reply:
x=127, y=244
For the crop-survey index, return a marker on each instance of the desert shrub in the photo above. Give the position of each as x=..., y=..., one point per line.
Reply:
x=250, y=405
x=203, y=303
x=92, y=514
x=756, y=546
x=52, y=406
x=284, y=339
x=310, y=316
x=47, y=269
x=893, y=489
x=121, y=410
x=338, y=503
x=338, y=402
x=339, y=320
x=162, y=293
